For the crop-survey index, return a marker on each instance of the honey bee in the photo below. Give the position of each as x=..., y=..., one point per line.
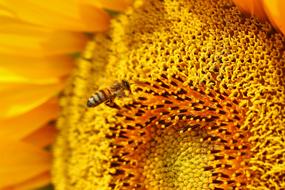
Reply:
x=107, y=95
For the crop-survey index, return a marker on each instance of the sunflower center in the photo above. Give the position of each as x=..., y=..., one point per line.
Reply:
x=177, y=161
x=233, y=88
x=165, y=138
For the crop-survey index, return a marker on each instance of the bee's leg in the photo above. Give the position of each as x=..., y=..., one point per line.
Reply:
x=123, y=93
x=111, y=104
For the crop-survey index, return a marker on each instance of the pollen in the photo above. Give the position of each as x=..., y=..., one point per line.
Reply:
x=205, y=110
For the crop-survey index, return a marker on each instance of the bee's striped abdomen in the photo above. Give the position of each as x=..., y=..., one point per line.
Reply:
x=99, y=97
x=108, y=94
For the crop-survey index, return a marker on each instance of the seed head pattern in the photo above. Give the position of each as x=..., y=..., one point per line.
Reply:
x=175, y=103
x=206, y=108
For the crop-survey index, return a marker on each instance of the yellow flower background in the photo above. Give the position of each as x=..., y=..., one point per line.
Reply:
x=38, y=43
x=206, y=108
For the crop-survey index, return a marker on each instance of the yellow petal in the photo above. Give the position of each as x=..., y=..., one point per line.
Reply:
x=18, y=38
x=41, y=44
x=63, y=15
x=19, y=127
x=4, y=11
x=275, y=12
x=42, y=137
x=37, y=70
x=253, y=7
x=117, y=5
x=35, y=182
x=19, y=99
x=20, y=161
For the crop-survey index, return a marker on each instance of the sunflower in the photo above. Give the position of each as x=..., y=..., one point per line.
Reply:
x=39, y=42
x=204, y=110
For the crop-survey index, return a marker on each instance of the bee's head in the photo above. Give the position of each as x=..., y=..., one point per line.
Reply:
x=126, y=84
